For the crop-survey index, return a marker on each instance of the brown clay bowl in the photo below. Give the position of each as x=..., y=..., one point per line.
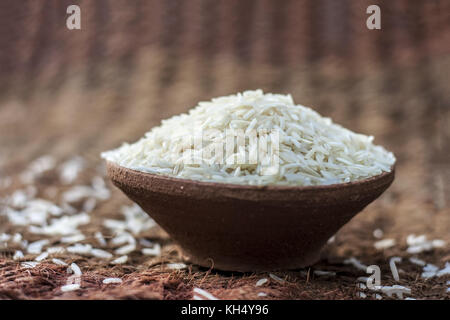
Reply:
x=248, y=228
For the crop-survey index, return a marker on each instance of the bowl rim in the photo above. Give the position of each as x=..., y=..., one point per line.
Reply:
x=270, y=187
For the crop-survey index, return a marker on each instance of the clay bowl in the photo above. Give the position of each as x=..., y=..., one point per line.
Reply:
x=248, y=228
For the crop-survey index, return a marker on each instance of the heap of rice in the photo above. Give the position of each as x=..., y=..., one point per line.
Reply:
x=311, y=149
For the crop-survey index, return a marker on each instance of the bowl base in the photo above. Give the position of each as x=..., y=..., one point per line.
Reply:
x=234, y=266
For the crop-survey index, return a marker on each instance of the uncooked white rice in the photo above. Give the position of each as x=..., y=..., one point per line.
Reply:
x=312, y=150
x=429, y=271
x=276, y=278
x=4, y=237
x=75, y=269
x=417, y=261
x=52, y=250
x=112, y=280
x=200, y=294
x=29, y=264
x=393, y=266
x=155, y=251
x=41, y=257
x=418, y=244
x=17, y=238
x=120, y=260
x=99, y=253
x=262, y=294
x=59, y=262
x=378, y=233
x=384, y=244
x=70, y=287
x=126, y=249
x=73, y=238
x=146, y=243
x=100, y=239
x=80, y=249
x=260, y=282
x=36, y=247
x=70, y=169
x=18, y=255
x=356, y=263
x=445, y=271
x=395, y=289
x=123, y=237
x=361, y=295
x=176, y=266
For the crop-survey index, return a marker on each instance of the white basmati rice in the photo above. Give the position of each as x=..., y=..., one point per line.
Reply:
x=429, y=271
x=120, y=260
x=176, y=266
x=79, y=248
x=74, y=238
x=417, y=261
x=393, y=266
x=99, y=253
x=276, y=278
x=312, y=150
x=445, y=271
x=18, y=255
x=29, y=264
x=123, y=237
x=378, y=233
x=4, y=237
x=356, y=263
x=70, y=287
x=36, y=247
x=262, y=294
x=384, y=244
x=260, y=282
x=17, y=238
x=75, y=269
x=200, y=294
x=37, y=167
x=155, y=251
x=418, y=244
x=324, y=273
x=395, y=289
x=41, y=257
x=52, y=250
x=146, y=243
x=361, y=295
x=126, y=249
x=112, y=280
x=59, y=262
x=70, y=169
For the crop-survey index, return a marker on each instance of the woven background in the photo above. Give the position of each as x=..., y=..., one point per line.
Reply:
x=133, y=63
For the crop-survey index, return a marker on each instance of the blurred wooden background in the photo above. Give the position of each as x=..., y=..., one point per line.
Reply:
x=133, y=63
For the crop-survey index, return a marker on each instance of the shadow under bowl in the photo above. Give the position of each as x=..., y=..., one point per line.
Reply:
x=248, y=228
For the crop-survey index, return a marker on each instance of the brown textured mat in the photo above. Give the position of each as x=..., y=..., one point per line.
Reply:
x=67, y=93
